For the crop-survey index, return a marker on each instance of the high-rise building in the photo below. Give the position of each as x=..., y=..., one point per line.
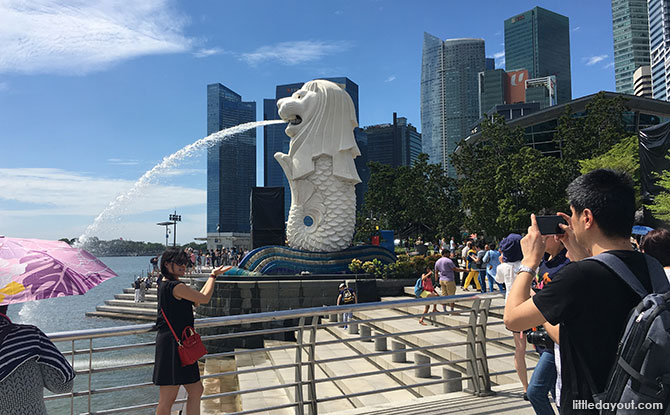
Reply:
x=275, y=139
x=539, y=40
x=630, y=28
x=231, y=164
x=542, y=90
x=659, y=46
x=642, y=82
x=491, y=89
x=449, y=94
x=397, y=144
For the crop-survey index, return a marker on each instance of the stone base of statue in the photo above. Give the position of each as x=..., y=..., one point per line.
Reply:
x=282, y=260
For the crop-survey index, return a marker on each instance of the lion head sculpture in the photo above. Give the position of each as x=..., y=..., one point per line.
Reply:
x=321, y=120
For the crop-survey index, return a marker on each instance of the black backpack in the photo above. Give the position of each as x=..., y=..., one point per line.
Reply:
x=641, y=373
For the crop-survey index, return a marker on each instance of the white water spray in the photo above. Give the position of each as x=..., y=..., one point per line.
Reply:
x=171, y=161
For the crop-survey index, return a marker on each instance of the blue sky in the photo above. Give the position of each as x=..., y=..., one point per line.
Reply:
x=94, y=93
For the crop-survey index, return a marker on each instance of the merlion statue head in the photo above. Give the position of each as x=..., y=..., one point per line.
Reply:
x=321, y=120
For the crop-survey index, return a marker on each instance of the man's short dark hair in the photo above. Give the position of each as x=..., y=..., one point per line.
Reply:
x=610, y=196
x=445, y=252
x=657, y=244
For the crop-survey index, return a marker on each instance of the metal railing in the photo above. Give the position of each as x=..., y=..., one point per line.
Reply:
x=324, y=359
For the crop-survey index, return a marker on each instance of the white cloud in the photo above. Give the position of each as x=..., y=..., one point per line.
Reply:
x=390, y=78
x=574, y=29
x=339, y=12
x=499, y=55
x=609, y=65
x=123, y=162
x=204, y=53
x=57, y=192
x=592, y=60
x=294, y=53
x=79, y=36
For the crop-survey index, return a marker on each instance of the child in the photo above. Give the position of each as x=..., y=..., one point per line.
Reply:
x=346, y=296
x=428, y=291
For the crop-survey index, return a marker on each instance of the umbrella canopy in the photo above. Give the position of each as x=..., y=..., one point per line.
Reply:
x=33, y=269
x=641, y=230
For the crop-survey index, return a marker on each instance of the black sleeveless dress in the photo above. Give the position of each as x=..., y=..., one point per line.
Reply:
x=167, y=368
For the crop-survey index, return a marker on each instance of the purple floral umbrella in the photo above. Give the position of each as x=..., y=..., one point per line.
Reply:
x=34, y=269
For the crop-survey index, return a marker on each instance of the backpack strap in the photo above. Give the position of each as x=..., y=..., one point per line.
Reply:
x=659, y=281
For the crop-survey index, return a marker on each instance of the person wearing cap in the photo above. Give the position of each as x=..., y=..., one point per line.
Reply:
x=346, y=297
x=510, y=248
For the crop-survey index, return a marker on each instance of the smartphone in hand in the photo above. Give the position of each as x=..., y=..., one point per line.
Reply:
x=549, y=224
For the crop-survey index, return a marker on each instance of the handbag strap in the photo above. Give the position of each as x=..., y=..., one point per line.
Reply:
x=171, y=329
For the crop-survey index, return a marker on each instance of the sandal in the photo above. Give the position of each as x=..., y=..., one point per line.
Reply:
x=423, y=323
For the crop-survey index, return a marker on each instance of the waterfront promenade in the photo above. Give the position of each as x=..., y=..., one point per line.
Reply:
x=375, y=366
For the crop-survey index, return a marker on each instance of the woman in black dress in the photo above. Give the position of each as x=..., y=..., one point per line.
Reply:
x=177, y=301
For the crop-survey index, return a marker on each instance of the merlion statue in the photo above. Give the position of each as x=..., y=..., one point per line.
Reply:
x=320, y=166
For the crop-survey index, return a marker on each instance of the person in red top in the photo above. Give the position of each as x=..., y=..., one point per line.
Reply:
x=428, y=291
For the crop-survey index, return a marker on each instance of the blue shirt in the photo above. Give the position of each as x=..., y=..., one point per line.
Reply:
x=492, y=257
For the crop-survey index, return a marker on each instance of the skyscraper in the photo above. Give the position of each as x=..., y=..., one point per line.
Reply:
x=642, y=82
x=275, y=139
x=539, y=40
x=397, y=144
x=449, y=94
x=659, y=45
x=630, y=27
x=231, y=164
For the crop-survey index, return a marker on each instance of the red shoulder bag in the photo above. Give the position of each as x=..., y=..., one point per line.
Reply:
x=190, y=346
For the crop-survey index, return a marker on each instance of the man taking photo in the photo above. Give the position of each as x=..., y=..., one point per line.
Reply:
x=589, y=301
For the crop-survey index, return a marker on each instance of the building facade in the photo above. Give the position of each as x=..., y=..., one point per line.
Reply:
x=231, y=164
x=542, y=90
x=539, y=40
x=540, y=126
x=630, y=27
x=275, y=140
x=449, y=94
x=659, y=46
x=642, y=82
x=396, y=144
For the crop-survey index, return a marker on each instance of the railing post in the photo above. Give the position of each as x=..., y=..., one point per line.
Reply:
x=312, y=409
x=90, y=370
x=300, y=408
x=471, y=354
x=72, y=392
x=485, y=377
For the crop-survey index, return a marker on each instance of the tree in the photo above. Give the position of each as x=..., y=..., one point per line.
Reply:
x=419, y=199
x=660, y=207
x=502, y=180
x=588, y=135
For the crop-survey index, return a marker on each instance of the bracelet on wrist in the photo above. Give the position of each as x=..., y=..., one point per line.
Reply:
x=212, y=275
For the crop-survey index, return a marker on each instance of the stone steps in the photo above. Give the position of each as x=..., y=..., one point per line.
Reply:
x=507, y=400
x=264, y=399
x=132, y=304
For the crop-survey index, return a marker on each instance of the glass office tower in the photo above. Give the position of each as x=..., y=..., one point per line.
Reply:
x=659, y=44
x=397, y=144
x=630, y=27
x=231, y=164
x=449, y=94
x=539, y=41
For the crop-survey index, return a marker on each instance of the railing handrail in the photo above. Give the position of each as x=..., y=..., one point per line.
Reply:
x=267, y=316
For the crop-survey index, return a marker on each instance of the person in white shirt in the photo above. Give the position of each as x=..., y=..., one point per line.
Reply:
x=510, y=248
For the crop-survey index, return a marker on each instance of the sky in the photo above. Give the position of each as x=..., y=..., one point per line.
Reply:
x=95, y=93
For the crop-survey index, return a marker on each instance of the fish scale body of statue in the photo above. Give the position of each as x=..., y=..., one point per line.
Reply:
x=320, y=166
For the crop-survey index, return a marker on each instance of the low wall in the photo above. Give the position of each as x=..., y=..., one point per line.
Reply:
x=245, y=295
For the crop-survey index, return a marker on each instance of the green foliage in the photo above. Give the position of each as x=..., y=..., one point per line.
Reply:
x=660, y=207
x=355, y=266
x=591, y=135
x=420, y=197
x=623, y=156
x=502, y=180
x=118, y=247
